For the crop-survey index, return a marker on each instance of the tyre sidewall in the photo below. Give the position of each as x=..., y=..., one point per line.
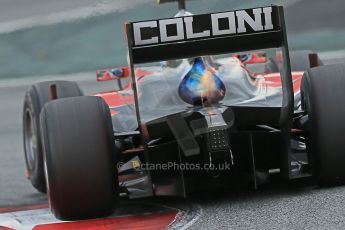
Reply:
x=35, y=173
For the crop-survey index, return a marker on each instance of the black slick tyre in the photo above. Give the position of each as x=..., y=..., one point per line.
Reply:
x=323, y=98
x=80, y=157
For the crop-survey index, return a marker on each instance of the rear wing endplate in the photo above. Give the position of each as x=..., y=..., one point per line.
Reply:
x=206, y=34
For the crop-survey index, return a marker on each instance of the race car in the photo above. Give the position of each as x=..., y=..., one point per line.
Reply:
x=205, y=100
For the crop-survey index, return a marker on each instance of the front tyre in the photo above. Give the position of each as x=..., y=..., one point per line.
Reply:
x=80, y=157
x=299, y=61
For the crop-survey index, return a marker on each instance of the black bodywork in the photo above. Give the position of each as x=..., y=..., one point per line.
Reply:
x=255, y=140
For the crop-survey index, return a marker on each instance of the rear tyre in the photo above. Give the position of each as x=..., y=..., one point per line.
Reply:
x=323, y=98
x=35, y=98
x=80, y=157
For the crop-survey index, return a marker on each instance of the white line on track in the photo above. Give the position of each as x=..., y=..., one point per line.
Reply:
x=187, y=214
x=187, y=217
x=99, y=8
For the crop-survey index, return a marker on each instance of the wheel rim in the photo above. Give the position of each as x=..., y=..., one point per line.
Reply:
x=30, y=140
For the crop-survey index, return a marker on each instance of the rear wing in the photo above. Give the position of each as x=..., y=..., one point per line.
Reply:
x=206, y=34
x=213, y=34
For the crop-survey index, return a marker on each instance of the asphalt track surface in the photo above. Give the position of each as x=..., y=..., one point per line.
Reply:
x=294, y=205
